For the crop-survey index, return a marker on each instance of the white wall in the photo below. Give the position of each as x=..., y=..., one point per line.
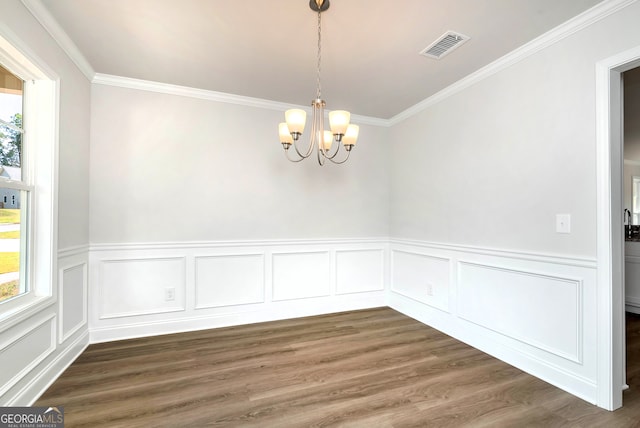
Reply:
x=37, y=346
x=197, y=196
x=476, y=182
x=173, y=168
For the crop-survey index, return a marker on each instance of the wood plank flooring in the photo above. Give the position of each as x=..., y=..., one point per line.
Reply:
x=372, y=368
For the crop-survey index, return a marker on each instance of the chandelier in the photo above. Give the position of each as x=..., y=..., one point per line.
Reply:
x=326, y=143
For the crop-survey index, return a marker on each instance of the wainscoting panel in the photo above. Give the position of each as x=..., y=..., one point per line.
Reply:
x=520, y=295
x=73, y=299
x=22, y=350
x=301, y=275
x=219, y=284
x=359, y=271
x=526, y=309
x=131, y=287
x=421, y=277
x=228, y=280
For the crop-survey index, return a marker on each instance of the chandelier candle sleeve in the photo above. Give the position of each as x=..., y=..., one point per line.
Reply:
x=328, y=140
x=351, y=136
x=339, y=121
x=296, y=119
x=285, y=134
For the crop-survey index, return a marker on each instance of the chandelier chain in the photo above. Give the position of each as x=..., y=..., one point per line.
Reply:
x=319, y=92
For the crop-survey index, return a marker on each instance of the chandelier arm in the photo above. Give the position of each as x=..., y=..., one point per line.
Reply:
x=309, y=150
x=321, y=157
x=286, y=152
x=342, y=161
x=337, y=143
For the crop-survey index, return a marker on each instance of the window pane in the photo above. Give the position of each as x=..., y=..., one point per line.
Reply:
x=10, y=112
x=10, y=235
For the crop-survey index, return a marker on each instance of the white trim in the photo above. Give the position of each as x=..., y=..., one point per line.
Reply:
x=52, y=26
x=596, y=13
x=631, y=162
x=551, y=37
x=85, y=313
x=610, y=288
x=76, y=250
x=586, y=262
x=577, y=282
x=123, y=260
x=205, y=94
x=286, y=309
x=45, y=378
x=198, y=306
x=228, y=244
x=475, y=336
x=574, y=372
x=24, y=333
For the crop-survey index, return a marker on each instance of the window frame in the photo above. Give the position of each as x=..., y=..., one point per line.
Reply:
x=39, y=179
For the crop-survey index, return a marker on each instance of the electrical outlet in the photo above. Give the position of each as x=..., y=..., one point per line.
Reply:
x=429, y=290
x=169, y=294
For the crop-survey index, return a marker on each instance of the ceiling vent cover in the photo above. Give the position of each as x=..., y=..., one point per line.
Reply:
x=445, y=44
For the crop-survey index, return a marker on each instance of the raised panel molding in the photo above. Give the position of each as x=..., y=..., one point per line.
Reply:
x=359, y=271
x=228, y=280
x=527, y=309
x=421, y=277
x=72, y=281
x=229, y=283
x=301, y=278
x=517, y=304
x=301, y=275
x=23, y=350
x=137, y=286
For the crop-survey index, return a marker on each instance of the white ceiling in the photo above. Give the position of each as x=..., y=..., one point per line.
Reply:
x=267, y=49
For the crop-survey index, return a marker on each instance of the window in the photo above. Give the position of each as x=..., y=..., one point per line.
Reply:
x=13, y=183
x=28, y=147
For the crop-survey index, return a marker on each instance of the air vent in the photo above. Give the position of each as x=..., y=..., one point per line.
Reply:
x=446, y=43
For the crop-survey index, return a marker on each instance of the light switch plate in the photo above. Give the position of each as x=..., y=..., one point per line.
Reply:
x=563, y=223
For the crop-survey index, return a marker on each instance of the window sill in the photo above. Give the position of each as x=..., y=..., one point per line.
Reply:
x=21, y=308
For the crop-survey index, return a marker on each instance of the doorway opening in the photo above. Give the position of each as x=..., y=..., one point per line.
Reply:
x=611, y=373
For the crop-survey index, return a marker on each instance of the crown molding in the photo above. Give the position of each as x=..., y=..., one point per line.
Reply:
x=205, y=94
x=575, y=24
x=596, y=13
x=50, y=24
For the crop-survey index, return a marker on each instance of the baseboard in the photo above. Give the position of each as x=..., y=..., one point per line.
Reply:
x=485, y=341
x=240, y=316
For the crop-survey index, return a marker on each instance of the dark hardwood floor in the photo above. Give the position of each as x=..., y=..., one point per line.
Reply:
x=372, y=368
